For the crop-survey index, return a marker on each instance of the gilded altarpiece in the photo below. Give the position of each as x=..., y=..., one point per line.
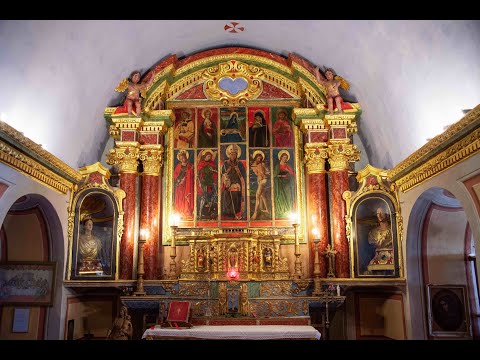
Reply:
x=234, y=171
x=234, y=167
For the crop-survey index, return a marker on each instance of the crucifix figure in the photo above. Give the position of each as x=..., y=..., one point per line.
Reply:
x=330, y=255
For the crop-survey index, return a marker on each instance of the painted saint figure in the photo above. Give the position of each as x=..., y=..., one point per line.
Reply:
x=183, y=186
x=284, y=181
x=207, y=191
x=233, y=184
x=231, y=133
x=258, y=133
x=207, y=133
x=89, y=249
x=185, y=130
x=262, y=173
x=282, y=131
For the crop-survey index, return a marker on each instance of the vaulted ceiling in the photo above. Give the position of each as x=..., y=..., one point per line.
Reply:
x=411, y=78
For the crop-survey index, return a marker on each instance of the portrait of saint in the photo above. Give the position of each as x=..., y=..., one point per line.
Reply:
x=260, y=203
x=449, y=310
x=282, y=129
x=183, y=183
x=207, y=185
x=233, y=125
x=184, y=132
x=258, y=132
x=284, y=184
x=207, y=129
x=233, y=183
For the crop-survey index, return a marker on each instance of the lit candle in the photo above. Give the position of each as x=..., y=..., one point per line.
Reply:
x=144, y=235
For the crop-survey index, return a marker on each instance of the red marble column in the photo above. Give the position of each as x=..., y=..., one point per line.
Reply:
x=149, y=220
x=151, y=156
x=127, y=184
x=317, y=205
x=125, y=155
x=339, y=180
x=315, y=155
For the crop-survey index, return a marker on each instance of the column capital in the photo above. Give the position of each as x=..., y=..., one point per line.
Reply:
x=315, y=156
x=152, y=158
x=346, y=121
x=125, y=156
x=340, y=154
x=123, y=123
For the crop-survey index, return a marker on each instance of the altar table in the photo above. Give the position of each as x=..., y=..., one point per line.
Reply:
x=235, y=332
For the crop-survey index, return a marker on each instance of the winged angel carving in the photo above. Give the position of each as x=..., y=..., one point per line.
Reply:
x=332, y=82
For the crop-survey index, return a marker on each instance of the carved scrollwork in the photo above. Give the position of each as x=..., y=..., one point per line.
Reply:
x=233, y=71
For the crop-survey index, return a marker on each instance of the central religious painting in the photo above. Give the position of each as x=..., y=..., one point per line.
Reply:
x=233, y=166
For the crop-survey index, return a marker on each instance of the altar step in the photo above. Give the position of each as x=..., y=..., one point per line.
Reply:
x=291, y=320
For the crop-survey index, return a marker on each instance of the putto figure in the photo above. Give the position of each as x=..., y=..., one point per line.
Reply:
x=332, y=82
x=135, y=89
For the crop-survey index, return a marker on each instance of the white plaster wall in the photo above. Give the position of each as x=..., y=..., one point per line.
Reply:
x=450, y=180
x=21, y=185
x=446, y=247
x=411, y=77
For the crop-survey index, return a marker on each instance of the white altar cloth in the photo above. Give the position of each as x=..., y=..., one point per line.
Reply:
x=236, y=332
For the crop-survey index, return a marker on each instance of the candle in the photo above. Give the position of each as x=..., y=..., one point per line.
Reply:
x=295, y=227
x=173, y=236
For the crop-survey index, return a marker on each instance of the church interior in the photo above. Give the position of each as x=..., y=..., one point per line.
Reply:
x=289, y=179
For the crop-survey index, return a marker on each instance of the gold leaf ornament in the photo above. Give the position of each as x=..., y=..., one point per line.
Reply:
x=122, y=86
x=343, y=83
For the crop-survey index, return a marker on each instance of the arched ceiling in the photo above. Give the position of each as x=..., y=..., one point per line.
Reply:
x=412, y=78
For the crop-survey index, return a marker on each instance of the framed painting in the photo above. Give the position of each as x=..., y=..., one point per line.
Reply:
x=27, y=283
x=448, y=311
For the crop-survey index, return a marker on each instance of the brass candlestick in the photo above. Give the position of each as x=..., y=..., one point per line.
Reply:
x=140, y=266
x=298, y=263
x=317, y=289
x=173, y=254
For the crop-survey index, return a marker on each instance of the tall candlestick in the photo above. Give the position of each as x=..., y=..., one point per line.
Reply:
x=140, y=265
x=298, y=263
x=173, y=255
x=174, y=229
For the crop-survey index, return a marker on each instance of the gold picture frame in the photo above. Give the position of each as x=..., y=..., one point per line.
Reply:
x=448, y=311
x=27, y=283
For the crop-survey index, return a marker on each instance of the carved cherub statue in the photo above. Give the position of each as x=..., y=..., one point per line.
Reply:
x=331, y=82
x=135, y=90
